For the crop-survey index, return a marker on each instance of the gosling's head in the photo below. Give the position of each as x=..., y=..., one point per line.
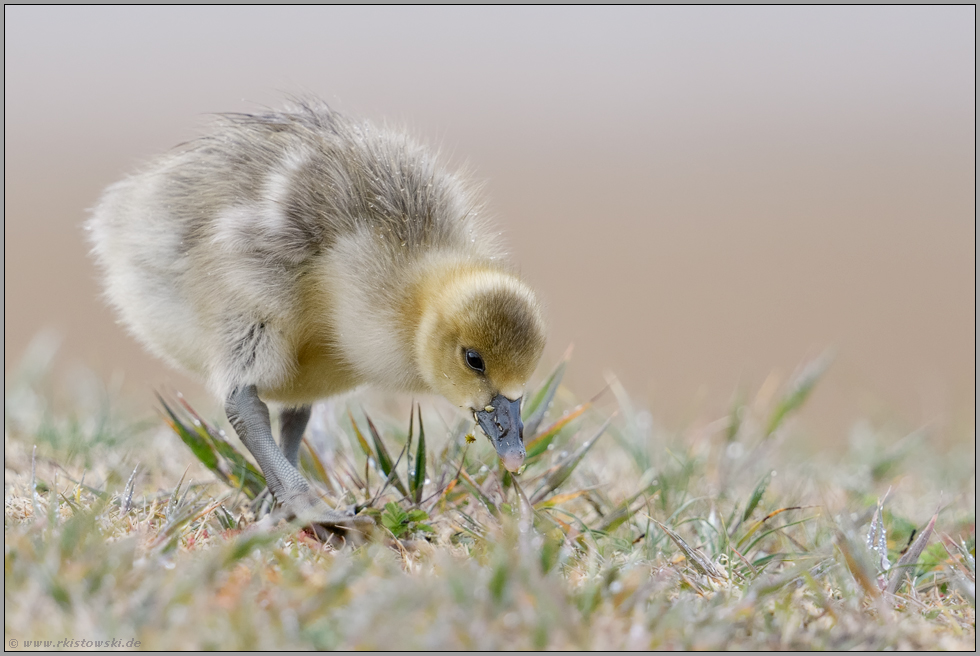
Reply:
x=480, y=337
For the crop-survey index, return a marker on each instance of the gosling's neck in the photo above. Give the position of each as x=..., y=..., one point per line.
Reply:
x=375, y=309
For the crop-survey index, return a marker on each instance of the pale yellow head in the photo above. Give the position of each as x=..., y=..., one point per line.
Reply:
x=481, y=334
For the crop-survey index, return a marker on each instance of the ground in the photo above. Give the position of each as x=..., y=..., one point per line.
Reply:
x=729, y=534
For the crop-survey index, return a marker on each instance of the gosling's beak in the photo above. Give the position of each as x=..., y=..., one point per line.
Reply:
x=501, y=421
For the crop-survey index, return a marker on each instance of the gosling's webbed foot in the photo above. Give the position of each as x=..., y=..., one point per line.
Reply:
x=306, y=508
x=297, y=501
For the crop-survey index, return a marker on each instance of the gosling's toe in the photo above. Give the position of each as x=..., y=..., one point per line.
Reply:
x=305, y=507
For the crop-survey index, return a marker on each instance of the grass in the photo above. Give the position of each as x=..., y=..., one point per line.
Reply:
x=617, y=535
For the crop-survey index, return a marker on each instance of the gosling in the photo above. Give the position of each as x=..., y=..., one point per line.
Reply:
x=289, y=256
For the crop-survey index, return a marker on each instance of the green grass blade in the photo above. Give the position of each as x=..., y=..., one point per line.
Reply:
x=756, y=497
x=527, y=513
x=384, y=459
x=213, y=450
x=755, y=527
x=360, y=438
x=539, y=444
x=537, y=407
x=420, y=462
x=907, y=562
x=241, y=472
x=799, y=390
x=478, y=530
x=560, y=472
x=316, y=466
x=174, y=501
x=858, y=561
x=620, y=513
x=409, y=471
x=735, y=418
x=701, y=562
x=776, y=529
x=474, y=489
x=202, y=449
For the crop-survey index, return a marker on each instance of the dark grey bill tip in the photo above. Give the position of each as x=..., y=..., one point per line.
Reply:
x=502, y=424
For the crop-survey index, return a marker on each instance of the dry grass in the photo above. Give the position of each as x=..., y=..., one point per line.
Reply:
x=617, y=535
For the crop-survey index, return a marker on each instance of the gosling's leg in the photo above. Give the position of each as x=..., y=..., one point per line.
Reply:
x=250, y=418
x=292, y=423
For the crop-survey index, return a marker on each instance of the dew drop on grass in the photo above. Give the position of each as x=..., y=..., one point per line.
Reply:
x=735, y=450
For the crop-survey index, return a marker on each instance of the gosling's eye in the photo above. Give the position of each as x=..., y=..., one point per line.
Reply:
x=474, y=361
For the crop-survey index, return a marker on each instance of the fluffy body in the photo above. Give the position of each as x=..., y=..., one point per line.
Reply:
x=305, y=253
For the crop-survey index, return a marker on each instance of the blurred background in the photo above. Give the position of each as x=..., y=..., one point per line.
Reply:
x=703, y=196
